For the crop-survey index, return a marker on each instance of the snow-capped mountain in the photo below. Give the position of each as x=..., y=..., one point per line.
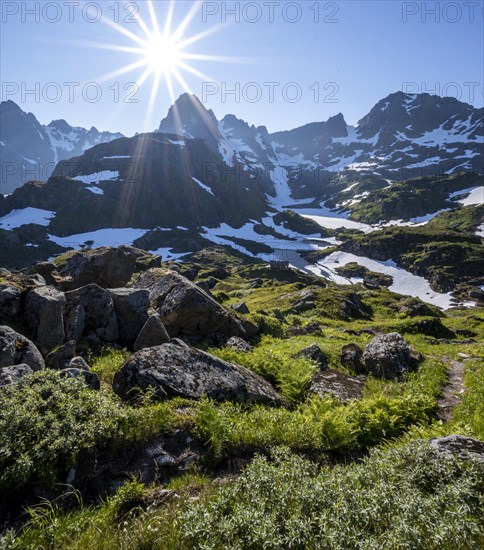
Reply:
x=199, y=180
x=30, y=150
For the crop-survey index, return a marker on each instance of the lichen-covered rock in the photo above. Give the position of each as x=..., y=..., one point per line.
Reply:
x=15, y=349
x=173, y=370
x=338, y=385
x=389, y=356
x=13, y=374
x=239, y=344
x=90, y=313
x=459, y=445
x=153, y=333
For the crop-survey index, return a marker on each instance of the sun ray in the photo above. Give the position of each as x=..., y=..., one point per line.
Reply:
x=195, y=72
x=187, y=19
x=121, y=71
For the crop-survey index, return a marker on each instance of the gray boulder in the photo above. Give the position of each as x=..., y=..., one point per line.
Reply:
x=459, y=445
x=44, y=315
x=13, y=374
x=90, y=313
x=389, y=356
x=241, y=308
x=182, y=371
x=91, y=379
x=10, y=303
x=60, y=358
x=186, y=310
x=153, y=333
x=131, y=307
x=313, y=353
x=239, y=344
x=338, y=385
x=15, y=349
x=78, y=363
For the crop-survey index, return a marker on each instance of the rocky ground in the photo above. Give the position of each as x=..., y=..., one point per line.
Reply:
x=153, y=385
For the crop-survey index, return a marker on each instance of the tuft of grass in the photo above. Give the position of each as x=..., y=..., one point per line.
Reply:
x=106, y=362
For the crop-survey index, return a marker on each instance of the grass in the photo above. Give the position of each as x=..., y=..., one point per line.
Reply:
x=106, y=362
x=402, y=497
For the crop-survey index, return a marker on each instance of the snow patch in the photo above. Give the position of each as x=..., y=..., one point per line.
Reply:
x=24, y=216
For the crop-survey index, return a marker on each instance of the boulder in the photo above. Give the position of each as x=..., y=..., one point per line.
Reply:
x=15, y=349
x=338, y=385
x=91, y=379
x=131, y=308
x=459, y=445
x=60, y=358
x=389, y=356
x=153, y=333
x=90, y=313
x=173, y=370
x=13, y=374
x=10, y=303
x=311, y=328
x=241, y=308
x=78, y=363
x=187, y=311
x=106, y=267
x=352, y=358
x=313, y=353
x=44, y=315
x=239, y=344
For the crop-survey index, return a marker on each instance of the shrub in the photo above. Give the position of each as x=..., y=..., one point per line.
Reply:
x=409, y=497
x=46, y=421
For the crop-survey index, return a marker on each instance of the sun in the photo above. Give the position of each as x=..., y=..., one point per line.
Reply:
x=163, y=53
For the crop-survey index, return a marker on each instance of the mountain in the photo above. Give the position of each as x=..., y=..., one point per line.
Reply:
x=29, y=150
x=413, y=159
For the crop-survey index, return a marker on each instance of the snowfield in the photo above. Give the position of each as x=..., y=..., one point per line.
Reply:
x=403, y=282
x=101, y=237
x=17, y=218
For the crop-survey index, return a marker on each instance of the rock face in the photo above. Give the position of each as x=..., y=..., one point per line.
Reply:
x=44, y=315
x=90, y=313
x=106, y=267
x=459, y=445
x=15, y=349
x=131, y=307
x=153, y=333
x=180, y=370
x=313, y=353
x=186, y=310
x=337, y=384
x=13, y=374
x=389, y=356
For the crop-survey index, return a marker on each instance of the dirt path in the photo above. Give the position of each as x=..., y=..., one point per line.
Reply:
x=452, y=391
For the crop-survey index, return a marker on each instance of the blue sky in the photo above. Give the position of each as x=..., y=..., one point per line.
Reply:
x=355, y=54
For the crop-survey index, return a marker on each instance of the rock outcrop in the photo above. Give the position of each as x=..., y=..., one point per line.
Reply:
x=153, y=333
x=178, y=370
x=44, y=315
x=187, y=311
x=389, y=356
x=13, y=374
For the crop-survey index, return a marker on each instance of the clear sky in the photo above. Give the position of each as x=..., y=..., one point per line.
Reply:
x=320, y=57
